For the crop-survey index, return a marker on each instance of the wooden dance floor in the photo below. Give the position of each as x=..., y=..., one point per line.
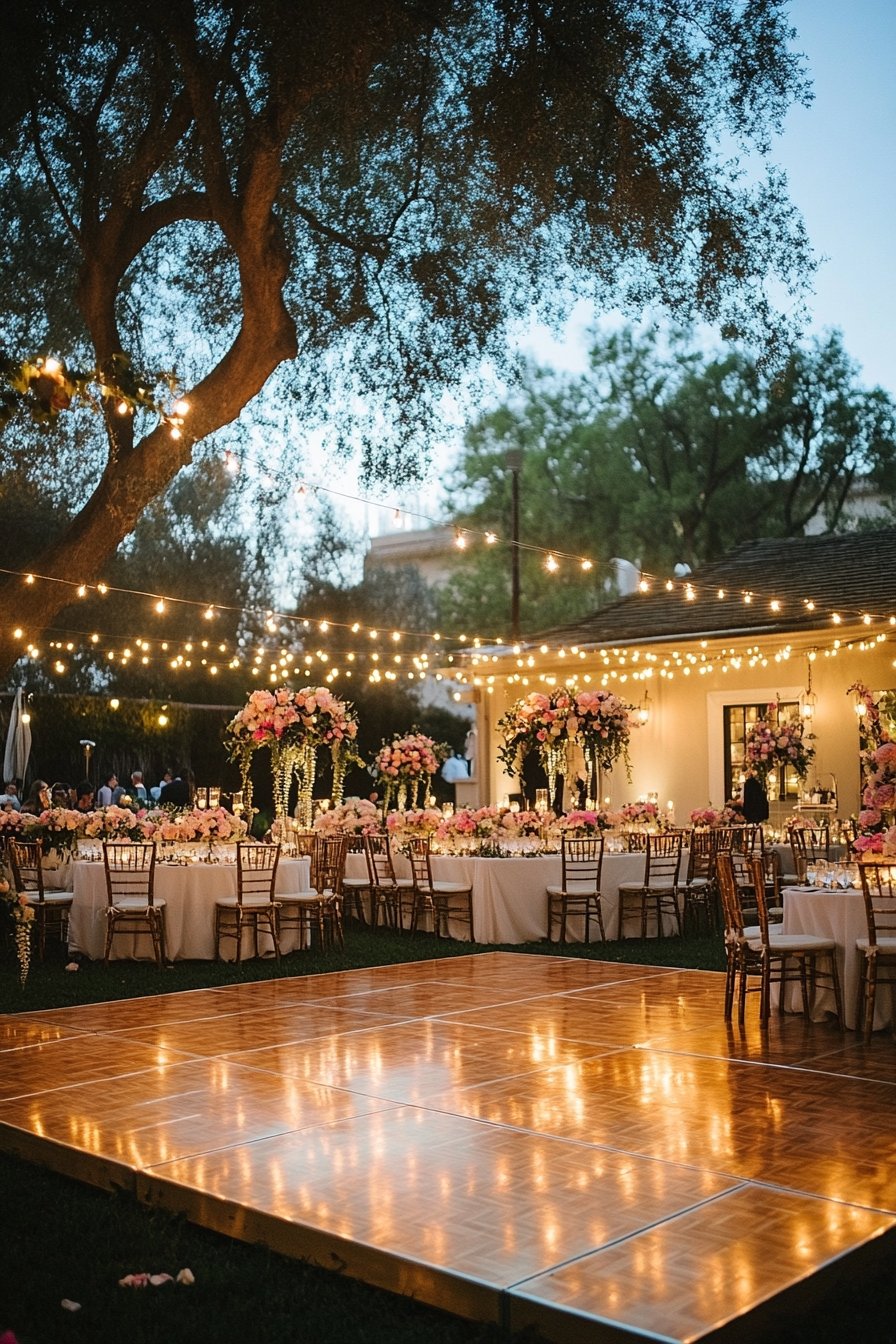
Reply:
x=576, y=1145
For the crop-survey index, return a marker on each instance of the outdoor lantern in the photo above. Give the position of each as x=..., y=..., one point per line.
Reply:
x=808, y=700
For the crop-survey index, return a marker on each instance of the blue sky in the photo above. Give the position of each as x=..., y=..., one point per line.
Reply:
x=841, y=165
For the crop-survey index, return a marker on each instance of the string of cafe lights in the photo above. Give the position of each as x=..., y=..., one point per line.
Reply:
x=478, y=651
x=610, y=665
x=553, y=558
x=49, y=380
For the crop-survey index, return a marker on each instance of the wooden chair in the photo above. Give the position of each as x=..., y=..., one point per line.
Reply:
x=809, y=842
x=355, y=888
x=253, y=906
x=390, y=897
x=748, y=840
x=328, y=875
x=579, y=891
x=131, y=903
x=878, y=950
x=775, y=958
x=51, y=908
x=698, y=893
x=658, y=893
x=447, y=901
x=317, y=909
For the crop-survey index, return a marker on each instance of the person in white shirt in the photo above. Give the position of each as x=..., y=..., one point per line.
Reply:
x=138, y=788
x=109, y=792
x=9, y=798
x=455, y=768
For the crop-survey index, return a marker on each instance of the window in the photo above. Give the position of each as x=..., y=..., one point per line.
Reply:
x=738, y=721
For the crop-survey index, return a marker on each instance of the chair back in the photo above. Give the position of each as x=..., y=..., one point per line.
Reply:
x=130, y=870
x=256, y=871
x=635, y=841
x=328, y=864
x=879, y=892
x=732, y=909
x=419, y=847
x=305, y=843
x=663, y=862
x=25, y=861
x=582, y=858
x=757, y=872
x=809, y=842
x=701, y=855
x=748, y=840
x=379, y=860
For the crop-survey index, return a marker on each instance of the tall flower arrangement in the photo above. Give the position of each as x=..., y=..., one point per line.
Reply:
x=537, y=723
x=775, y=742
x=876, y=831
x=292, y=725
x=602, y=724
x=405, y=763
x=598, y=721
x=20, y=913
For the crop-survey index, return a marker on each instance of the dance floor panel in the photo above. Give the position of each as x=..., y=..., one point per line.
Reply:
x=574, y=1145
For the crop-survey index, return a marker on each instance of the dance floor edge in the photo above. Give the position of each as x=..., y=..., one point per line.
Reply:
x=574, y=1146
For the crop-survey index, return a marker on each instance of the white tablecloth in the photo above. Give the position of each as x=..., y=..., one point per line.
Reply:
x=839, y=915
x=190, y=893
x=510, y=903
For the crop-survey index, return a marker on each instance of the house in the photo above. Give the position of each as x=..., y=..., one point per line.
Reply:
x=796, y=620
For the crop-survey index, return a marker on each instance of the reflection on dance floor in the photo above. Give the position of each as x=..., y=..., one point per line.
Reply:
x=510, y=1136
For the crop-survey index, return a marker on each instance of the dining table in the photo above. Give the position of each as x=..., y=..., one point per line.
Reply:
x=510, y=903
x=190, y=885
x=838, y=914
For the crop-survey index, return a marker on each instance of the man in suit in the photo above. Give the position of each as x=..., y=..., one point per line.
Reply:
x=179, y=792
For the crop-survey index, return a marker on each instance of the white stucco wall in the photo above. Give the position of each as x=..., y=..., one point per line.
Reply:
x=679, y=753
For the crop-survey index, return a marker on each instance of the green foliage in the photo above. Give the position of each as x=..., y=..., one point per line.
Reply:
x=336, y=204
x=127, y=737
x=660, y=454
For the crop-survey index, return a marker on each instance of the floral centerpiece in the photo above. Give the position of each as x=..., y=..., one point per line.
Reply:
x=56, y=828
x=403, y=764
x=12, y=823
x=709, y=817
x=214, y=824
x=356, y=816
x=412, y=824
x=491, y=830
x=526, y=824
x=292, y=725
x=775, y=742
x=115, y=823
x=584, y=822
x=641, y=813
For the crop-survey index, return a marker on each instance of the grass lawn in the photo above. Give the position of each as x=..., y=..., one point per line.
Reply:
x=66, y=1240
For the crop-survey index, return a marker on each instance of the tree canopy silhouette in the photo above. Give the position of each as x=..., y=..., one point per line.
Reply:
x=352, y=201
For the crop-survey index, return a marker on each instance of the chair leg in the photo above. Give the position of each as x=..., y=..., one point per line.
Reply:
x=870, y=997
x=730, y=984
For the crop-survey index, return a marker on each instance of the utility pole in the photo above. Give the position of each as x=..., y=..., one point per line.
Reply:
x=514, y=461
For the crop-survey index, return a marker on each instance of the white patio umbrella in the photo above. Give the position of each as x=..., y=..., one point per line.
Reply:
x=18, y=741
